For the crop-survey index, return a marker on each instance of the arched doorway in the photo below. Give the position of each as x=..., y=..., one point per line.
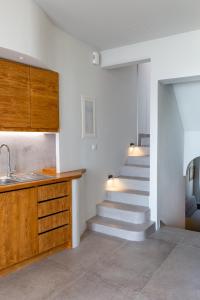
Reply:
x=192, y=199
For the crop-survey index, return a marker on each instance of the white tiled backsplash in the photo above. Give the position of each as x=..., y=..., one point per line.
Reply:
x=29, y=152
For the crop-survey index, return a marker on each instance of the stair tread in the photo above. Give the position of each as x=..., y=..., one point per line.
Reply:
x=120, y=224
x=134, y=178
x=124, y=206
x=129, y=191
x=137, y=165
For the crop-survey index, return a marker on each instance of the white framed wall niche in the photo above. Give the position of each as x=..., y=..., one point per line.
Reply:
x=88, y=117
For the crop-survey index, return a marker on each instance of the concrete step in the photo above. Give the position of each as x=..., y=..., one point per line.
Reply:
x=135, y=170
x=139, y=151
x=138, y=160
x=123, y=212
x=132, y=197
x=134, y=183
x=124, y=230
x=145, y=141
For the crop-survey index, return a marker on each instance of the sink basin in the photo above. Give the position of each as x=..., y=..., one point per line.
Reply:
x=5, y=181
x=32, y=177
x=23, y=178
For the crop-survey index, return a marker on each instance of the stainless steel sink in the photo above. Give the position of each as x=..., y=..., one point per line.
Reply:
x=23, y=178
x=6, y=181
x=31, y=177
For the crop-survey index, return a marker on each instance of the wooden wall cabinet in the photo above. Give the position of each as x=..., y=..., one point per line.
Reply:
x=14, y=96
x=44, y=99
x=29, y=98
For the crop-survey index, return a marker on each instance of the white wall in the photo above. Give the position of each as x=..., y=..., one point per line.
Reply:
x=188, y=95
x=171, y=188
x=116, y=115
x=172, y=57
x=26, y=29
x=143, y=87
x=191, y=147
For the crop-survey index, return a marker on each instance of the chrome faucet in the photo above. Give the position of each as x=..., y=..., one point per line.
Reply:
x=9, y=172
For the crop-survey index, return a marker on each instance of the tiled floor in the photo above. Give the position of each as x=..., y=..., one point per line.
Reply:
x=193, y=222
x=164, y=267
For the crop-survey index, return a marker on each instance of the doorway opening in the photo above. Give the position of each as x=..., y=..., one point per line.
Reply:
x=192, y=198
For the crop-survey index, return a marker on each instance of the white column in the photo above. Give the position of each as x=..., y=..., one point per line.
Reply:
x=75, y=213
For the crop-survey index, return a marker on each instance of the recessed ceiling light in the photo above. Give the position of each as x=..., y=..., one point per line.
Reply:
x=21, y=57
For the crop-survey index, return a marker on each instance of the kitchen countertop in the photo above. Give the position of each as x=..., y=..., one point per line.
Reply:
x=58, y=177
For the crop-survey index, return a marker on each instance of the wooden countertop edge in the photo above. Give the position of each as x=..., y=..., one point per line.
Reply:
x=59, y=177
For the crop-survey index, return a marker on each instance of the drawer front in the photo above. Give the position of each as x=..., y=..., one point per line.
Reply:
x=54, y=238
x=53, y=221
x=54, y=190
x=54, y=206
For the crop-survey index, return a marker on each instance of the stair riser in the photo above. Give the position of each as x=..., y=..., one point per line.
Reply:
x=121, y=215
x=145, y=141
x=139, y=160
x=140, y=185
x=127, y=198
x=139, y=151
x=135, y=171
x=123, y=234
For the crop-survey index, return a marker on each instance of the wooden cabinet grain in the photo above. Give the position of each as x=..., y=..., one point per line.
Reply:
x=29, y=98
x=54, y=238
x=18, y=226
x=44, y=99
x=14, y=96
x=34, y=220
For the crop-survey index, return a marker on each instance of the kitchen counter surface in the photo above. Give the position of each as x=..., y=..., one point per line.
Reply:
x=58, y=177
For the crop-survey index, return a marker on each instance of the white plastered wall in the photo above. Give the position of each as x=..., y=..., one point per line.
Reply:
x=172, y=57
x=26, y=30
x=171, y=183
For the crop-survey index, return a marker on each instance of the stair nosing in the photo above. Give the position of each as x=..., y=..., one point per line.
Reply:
x=144, y=209
x=137, y=166
x=134, y=178
x=113, y=222
x=144, y=155
x=130, y=191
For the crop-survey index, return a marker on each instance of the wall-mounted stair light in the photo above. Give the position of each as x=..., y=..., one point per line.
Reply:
x=131, y=147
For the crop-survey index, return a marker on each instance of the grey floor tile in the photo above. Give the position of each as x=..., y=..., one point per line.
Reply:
x=36, y=282
x=191, y=238
x=177, y=278
x=132, y=265
x=93, y=247
x=89, y=287
x=169, y=234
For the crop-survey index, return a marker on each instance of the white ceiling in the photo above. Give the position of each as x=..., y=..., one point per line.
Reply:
x=106, y=24
x=188, y=100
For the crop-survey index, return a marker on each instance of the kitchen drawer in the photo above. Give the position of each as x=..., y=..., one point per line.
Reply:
x=54, y=190
x=54, y=206
x=54, y=238
x=54, y=221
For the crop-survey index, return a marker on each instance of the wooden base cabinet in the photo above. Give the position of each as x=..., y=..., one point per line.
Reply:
x=18, y=226
x=33, y=221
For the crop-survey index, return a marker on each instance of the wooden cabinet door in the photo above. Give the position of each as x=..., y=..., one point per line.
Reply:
x=18, y=226
x=44, y=99
x=14, y=96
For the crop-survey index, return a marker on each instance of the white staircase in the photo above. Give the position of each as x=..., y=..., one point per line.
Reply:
x=125, y=211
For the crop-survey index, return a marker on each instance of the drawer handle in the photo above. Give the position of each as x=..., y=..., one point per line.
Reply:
x=53, y=229
x=58, y=212
x=41, y=201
